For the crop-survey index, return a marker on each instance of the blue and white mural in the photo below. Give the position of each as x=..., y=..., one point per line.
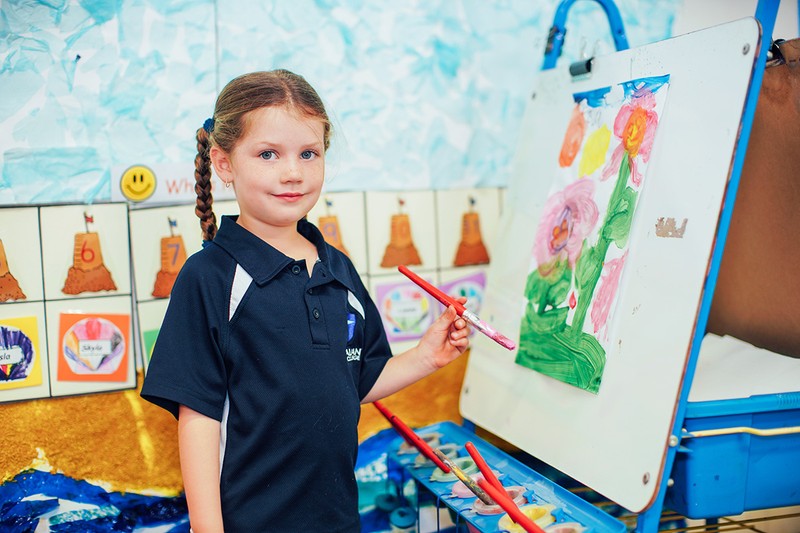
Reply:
x=422, y=94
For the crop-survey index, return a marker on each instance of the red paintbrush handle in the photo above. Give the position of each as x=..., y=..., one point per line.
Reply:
x=410, y=436
x=443, y=298
x=508, y=505
x=482, y=466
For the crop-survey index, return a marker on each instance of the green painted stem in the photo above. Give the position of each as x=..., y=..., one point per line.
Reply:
x=598, y=252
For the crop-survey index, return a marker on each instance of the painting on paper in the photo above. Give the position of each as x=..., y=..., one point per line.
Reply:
x=581, y=242
x=406, y=310
x=20, y=357
x=93, y=347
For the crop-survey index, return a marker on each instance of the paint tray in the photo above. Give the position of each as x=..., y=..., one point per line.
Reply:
x=538, y=490
x=756, y=465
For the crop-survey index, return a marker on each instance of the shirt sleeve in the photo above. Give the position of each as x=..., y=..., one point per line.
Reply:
x=187, y=366
x=376, y=345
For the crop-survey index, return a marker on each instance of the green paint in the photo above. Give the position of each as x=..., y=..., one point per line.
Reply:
x=547, y=343
x=149, y=337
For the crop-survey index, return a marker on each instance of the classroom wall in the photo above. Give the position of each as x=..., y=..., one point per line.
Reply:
x=424, y=95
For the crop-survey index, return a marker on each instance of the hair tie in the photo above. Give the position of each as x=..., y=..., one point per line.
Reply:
x=208, y=125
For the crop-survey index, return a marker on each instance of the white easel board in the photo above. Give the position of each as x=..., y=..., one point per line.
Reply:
x=616, y=440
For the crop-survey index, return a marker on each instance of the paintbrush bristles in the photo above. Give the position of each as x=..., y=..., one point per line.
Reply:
x=465, y=479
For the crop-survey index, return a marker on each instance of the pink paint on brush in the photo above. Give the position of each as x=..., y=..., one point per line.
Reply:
x=462, y=311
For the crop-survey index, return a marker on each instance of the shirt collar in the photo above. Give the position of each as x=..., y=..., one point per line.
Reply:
x=263, y=262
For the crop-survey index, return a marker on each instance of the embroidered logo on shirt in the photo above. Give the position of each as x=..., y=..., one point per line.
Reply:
x=353, y=354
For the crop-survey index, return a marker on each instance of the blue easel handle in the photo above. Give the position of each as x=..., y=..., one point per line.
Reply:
x=555, y=41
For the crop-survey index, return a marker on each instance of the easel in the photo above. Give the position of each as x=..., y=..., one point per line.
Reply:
x=489, y=372
x=503, y=399
x=766, y=13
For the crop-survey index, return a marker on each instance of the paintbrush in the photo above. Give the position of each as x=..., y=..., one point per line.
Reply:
x=411, y=437
x=464, y=478
x=462, y=311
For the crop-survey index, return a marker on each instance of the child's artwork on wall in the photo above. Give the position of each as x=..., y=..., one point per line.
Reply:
x=150, y=316
x=90, y=344
x=88, y=273
x=20, y=355
x=173, y=256
x=402, y=229
x=471, y=250
x=406, y=309
x=329, y=226
x=342, y=219
x=401, y=249
x=96, y=261
x=9, y=286
x=469, y=283
x=93, y=347
x=581, y=243
x=466, y=224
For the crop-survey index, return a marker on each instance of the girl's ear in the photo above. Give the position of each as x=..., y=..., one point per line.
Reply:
x=222, y=164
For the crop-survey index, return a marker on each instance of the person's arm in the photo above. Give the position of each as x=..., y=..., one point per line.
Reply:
x=198, y=443
x=445, y=340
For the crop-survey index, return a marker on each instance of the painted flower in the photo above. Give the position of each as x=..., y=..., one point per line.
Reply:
x=573, y=138
x=594, y=152
x=609, y=285
x=567, y=219
x=635, y=126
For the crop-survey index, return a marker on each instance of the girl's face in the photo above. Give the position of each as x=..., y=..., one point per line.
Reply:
x=277, y=168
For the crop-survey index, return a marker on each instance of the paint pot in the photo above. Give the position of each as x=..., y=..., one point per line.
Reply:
x=517, y=494
x=432, y=439
x=541, y=515
x=565, y=527
x=459, y=490
x=450, y=450
x=403, y=520
x=466, y=464
x=387, y=502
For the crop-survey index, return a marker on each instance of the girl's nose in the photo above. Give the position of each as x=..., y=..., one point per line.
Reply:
x=292, y=171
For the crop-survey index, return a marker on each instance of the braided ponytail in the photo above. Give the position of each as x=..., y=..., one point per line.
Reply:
x=202, y=176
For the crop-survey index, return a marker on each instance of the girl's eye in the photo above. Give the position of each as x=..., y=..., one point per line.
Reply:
x=308, y=154
x=267, y=154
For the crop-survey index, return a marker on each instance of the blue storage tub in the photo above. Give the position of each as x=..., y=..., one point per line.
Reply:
x=726, y=475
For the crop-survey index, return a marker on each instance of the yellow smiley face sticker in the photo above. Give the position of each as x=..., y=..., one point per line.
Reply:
x=138, y=183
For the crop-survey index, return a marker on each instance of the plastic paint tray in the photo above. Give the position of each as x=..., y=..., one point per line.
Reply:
x=726, y=475
x=539, y=490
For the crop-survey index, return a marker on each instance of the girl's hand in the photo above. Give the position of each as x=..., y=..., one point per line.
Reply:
x=446, y=338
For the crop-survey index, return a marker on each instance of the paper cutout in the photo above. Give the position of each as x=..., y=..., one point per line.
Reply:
x=471, y=250
x=173, y=256
x=472, y=287
x=401, y=249
x=149, y=337
x=329, y=226
x=580, y=247
x=88, y=273
x=20, y=358
x=9, y=286
x=405, y=309
x=93, y=347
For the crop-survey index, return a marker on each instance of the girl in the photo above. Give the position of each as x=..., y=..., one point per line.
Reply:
x=270, y=341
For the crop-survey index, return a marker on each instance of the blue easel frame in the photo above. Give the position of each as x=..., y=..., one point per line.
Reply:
x=766, y=14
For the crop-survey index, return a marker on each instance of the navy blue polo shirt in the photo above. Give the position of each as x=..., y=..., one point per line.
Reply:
x=282, y=360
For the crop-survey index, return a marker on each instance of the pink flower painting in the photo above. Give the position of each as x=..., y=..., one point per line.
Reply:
x=635, y=126
x=606, y=292
x=569, y=216
x=581, y=243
